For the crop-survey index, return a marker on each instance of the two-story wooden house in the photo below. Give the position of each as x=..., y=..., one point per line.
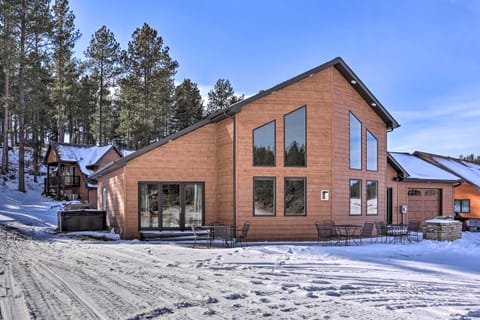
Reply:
x=309, y=149
x=69, y=167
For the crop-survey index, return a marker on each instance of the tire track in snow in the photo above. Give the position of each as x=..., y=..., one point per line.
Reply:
x=43, y=289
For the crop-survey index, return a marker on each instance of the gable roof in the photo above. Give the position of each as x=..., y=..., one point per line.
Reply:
x=337, y=63
x=413, y=168
x=86, y=157
x=468, y=171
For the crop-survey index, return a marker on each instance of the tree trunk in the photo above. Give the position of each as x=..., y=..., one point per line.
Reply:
x=21, y=102
x=5, y=125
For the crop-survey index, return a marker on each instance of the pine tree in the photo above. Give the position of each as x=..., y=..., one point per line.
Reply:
x=64, y=36
x=8, y=12
x=38, y=78
x=221, y=96
x=103, y=59
x=146, y=91
x=188, y=105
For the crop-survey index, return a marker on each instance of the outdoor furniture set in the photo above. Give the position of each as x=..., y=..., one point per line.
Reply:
x=330, y=233
x=226, y=234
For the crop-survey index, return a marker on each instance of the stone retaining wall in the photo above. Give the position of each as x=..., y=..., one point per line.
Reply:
x=442, y=230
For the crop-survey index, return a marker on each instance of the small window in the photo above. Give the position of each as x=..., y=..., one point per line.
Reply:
x=264, y=196
x=355, y=143
x=104, y=199
x=414, y=193
x=355, y=197
x=431, y=193
x=462, y=206
x=372, y=152
x=264, y=145
x=295, y=197
x=295, y=138
x=372, y=197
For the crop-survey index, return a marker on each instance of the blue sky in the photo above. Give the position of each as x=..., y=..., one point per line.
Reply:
x=421, y=58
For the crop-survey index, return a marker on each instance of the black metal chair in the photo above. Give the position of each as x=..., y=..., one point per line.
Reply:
x=242, y=237
x=326, y=233
x=199, y=236
x=413, y=230
x=381, y=228
x=367, y=232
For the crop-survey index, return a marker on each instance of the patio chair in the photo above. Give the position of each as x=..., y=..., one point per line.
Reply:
x=242, y=237
x=413, y=230
x=325, y=233
x=198, y=236
x=381, y=230
x=367, y=232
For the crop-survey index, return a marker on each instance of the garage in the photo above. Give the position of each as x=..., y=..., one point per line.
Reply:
x=424, y=204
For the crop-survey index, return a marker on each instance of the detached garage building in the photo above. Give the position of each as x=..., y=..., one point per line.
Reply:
x=425, y=189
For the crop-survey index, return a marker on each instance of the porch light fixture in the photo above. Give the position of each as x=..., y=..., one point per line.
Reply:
x=353, y=81
x=373, y=104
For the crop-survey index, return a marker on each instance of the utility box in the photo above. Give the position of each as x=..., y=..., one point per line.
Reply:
x=81, y=220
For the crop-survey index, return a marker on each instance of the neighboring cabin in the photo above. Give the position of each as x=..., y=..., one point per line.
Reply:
x=69, y=168
x=467, y=194
x=312, y=148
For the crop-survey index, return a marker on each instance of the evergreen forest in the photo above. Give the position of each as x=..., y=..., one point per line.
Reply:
x=127, y=97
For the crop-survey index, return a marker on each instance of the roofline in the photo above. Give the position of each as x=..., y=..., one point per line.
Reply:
x=344, y=70
x=397, y=166
x=429, y=158
x=406, y=176
x=122, y=161
x=337, y=62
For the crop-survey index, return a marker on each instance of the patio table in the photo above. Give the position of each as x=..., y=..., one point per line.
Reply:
x=221, y=232
x=347, y=231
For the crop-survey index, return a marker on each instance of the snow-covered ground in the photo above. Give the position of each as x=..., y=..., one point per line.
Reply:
x=44, y=275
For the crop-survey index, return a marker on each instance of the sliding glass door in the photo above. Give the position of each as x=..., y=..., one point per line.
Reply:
x=171, y=205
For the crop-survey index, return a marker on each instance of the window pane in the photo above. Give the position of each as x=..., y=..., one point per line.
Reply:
x=193, y=204
x=149, y=205
x=372, y=197
x=171, y=206
x=372, y=152
x=264, y=196
x=356, y=197
x=295, y=145
x=457, y=206
x=295, y=197
x=414, y=193
x=264, y=145
x=355, y=143
x=466, y=206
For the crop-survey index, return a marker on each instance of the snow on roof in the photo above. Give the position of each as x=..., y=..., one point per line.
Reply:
x=468, y=171
x=84, y=156
x=471, y=164
x=417, y=168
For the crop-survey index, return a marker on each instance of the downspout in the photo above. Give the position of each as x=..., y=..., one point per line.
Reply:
x=234, y=175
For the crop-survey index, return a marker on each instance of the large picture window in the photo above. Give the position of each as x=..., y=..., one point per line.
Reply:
x=170, y=205
x=264, y=145
x=355, y=143
x=372, y=197
x=295, y=197
x=295, y=138
x=372, y=152
x=355, y=197
x=461, y=206
x=264, y=196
